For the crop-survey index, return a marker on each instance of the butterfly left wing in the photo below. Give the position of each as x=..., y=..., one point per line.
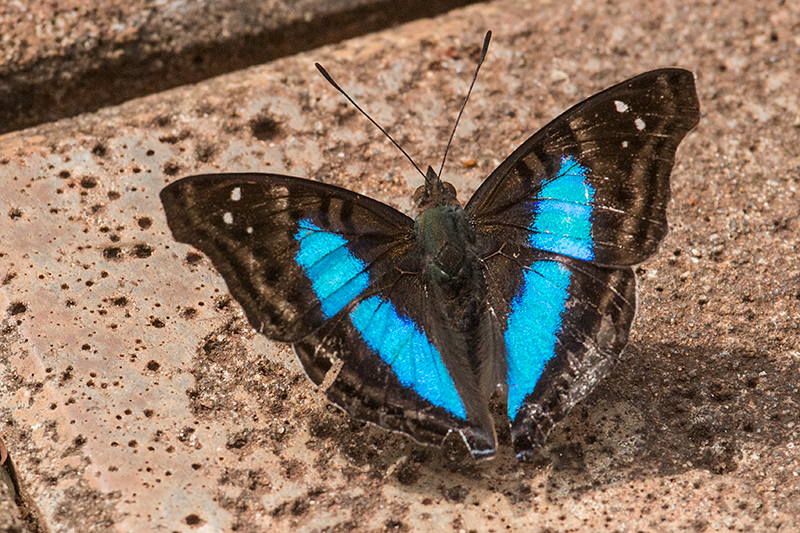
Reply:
x=335, y=274
x=564, y=217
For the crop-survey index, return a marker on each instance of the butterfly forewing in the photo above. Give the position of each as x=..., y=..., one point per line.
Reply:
x=282, y=244
x=594, y=183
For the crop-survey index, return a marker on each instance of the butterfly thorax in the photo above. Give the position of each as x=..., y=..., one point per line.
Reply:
x=444, y=233
x=445, y=236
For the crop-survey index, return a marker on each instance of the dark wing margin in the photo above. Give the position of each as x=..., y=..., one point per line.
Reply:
x=624, y=140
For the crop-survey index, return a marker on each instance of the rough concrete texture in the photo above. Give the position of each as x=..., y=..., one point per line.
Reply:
x=134, y=396
x=64, y=57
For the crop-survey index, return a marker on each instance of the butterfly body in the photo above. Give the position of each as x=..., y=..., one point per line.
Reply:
x=528, y=289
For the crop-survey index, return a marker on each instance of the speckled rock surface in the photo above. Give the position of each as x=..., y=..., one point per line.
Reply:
x=63, y=57
x=134, y=395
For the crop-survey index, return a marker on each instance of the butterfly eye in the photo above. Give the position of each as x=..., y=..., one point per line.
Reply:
x=418, y=194
x=448, y=187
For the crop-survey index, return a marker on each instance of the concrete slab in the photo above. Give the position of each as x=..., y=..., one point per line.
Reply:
x=68, y=57
x=135, y=397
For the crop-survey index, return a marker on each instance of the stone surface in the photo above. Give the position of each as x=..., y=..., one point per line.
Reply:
x=134, y=395
x=65, y=57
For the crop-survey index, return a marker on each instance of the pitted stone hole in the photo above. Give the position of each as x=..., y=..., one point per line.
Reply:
x=157, y=323
x=114, y=195
x=205, y=152
x=170, y=168
x=162, y=121
x=153, y=366
x=186, y=434
x=193, y=258
x=17, y=308
x=99, y=150
x=64, y=174
x=264, y=127
x=15, y=213
x=112, y=253
x=88, y=182
x=142, y=251
x=9, y=277
x=144, y=222
x=193, y=520
x=66, y=375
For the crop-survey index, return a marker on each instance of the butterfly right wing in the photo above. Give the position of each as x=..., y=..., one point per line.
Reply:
x=335, y=274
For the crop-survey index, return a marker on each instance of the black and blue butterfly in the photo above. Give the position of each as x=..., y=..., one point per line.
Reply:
x=528, y=290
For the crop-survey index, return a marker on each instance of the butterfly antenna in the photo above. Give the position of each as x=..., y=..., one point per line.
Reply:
x=471, y=85
x=328, y=77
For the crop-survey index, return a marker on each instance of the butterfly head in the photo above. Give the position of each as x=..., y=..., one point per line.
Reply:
x=434, y=193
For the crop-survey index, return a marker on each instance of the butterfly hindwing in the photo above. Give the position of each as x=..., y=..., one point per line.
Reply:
x=594, y=183
x=393, y=371
x=566, y=322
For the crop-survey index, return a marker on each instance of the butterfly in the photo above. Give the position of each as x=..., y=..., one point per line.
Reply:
x=414, y=323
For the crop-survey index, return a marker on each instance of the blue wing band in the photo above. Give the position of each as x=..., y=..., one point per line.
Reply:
x=401, y=344
x=338, y=277
x=533, y=324
x=562, y=213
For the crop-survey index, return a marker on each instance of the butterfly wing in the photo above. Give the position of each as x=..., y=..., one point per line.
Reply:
x=566, y=322
x=594, y=183
x=565, y=216
x=334, y=273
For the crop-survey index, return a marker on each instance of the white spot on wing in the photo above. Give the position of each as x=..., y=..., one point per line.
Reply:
x=227, y=218
x=639, y=124
x=621, y=106
x=624, y=144
x=249, y=230
x=236, y=194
